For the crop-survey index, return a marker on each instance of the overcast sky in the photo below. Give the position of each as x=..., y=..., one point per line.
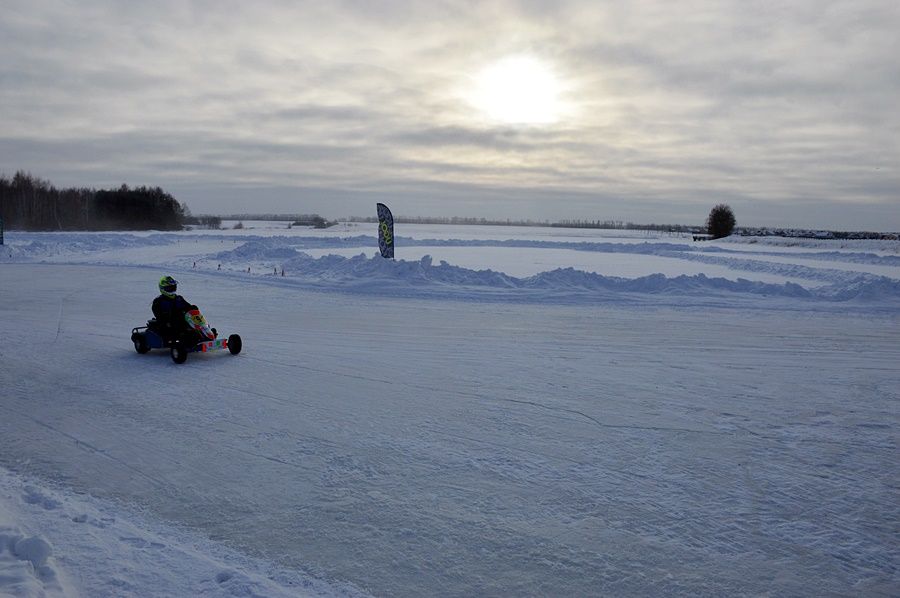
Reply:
x=643, y=111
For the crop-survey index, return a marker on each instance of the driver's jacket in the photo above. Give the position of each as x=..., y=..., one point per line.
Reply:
x=169, y=313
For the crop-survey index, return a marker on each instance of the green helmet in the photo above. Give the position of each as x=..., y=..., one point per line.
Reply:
x=168, y=286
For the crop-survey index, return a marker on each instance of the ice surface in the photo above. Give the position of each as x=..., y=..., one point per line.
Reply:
x=415, y=428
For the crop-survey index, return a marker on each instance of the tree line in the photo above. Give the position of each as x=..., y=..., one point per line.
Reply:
x=313, y=220
x=31, y=203
x=599, y=224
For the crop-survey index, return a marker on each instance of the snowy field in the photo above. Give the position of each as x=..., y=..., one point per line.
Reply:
x=499, y=412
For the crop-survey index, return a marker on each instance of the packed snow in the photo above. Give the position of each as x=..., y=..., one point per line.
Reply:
x=500, y=411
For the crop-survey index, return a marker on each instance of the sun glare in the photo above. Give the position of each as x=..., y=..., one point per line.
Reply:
x=518, y=90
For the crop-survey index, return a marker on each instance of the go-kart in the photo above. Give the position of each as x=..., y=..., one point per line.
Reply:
x=198, y=337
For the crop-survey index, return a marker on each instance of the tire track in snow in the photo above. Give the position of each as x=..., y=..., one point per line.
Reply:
x=743, y=431
x=605, y=425
x=482, y=396
x=93, y=449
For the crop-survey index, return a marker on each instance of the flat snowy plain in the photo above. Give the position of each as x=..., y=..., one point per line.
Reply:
x=498, y=412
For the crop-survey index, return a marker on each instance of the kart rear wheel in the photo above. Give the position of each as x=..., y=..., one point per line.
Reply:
x=234, y=344
x=179, y=353
x=140, y=343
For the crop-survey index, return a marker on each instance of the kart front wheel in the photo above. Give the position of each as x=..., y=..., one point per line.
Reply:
x=179, y=353
x=234, y=344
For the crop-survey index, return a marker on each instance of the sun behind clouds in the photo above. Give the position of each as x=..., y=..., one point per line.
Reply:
x=518, y=90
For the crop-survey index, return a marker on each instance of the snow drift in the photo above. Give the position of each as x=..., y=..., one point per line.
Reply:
x=838, y=280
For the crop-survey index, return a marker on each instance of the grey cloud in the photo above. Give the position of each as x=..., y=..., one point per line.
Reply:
x=769, y=106
x=509, y=138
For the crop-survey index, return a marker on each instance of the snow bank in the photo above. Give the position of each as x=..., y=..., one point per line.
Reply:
x=24, y=568
x=845, y=280
x=886, y=246
x=424, y=278
x=112, y=552
x=40, y=245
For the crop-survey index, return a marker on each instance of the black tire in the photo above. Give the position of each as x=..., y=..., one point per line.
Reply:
x=179, y=353
x=235, y=344
x=140, y=343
